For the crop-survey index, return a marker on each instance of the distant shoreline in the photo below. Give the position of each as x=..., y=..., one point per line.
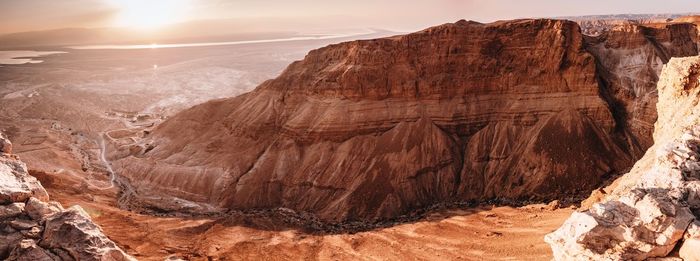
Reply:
x=23, y=57
x=203, y=44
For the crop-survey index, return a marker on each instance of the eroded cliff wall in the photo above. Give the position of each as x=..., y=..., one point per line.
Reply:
x=373, y=129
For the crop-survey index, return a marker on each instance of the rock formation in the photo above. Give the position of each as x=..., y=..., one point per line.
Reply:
x=630, y=57
x=373, y=129
x=656, y=206
x=34, y=228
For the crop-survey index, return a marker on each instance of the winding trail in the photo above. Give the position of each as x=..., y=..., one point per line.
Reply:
x=103, y=158
x=126, y=192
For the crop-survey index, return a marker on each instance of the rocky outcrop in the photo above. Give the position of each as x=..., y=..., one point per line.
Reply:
x=33, y=228
x=655, y=207
x=15, y=184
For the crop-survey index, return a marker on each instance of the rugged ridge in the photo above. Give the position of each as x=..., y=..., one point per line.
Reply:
x=373, y=129
x=34, y=228
x=654, y=208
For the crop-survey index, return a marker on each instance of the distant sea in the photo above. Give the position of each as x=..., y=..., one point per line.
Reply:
x=22, y=57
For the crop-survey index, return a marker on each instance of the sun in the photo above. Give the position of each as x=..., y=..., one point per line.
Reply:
x=149, y=14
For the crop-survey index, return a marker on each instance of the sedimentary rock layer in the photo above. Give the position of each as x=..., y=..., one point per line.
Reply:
x=375, y=128
x=630, y=58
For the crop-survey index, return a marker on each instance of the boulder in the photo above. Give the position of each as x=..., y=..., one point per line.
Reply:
x=11, y=210
x=8, y=242
x=33, y=233
x=39, y=210
x=23, y=224
x=27, y=250
x=73, y=231
x=16, y=185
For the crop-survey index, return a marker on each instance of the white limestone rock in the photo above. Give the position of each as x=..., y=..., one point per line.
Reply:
x=690, y=248
x=5, y=144
x=654, y=210
x=73, y=231
x=16, y=185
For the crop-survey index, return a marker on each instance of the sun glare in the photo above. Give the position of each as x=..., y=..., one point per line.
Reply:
x=149, y=14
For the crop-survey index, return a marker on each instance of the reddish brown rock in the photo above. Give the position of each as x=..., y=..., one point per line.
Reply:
x=630, y=58
x=373, y=129
x=39, y=210
x=27, y=250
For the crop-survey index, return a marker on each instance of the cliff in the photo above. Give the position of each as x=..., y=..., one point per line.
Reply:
x=630, y=58
x=655, y=207
x=516, y=110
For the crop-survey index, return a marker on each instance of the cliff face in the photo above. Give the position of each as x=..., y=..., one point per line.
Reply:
x=376, y=128
x=654, y=208
x=33, y=228
x=630, y=58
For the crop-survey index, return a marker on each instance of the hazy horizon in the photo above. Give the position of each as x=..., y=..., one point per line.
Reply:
x=304, y=15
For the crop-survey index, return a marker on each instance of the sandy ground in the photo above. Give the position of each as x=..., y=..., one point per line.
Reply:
x=483, y=233
x=501, y=233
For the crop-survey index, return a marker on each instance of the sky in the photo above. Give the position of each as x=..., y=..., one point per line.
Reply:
x=397, y=15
